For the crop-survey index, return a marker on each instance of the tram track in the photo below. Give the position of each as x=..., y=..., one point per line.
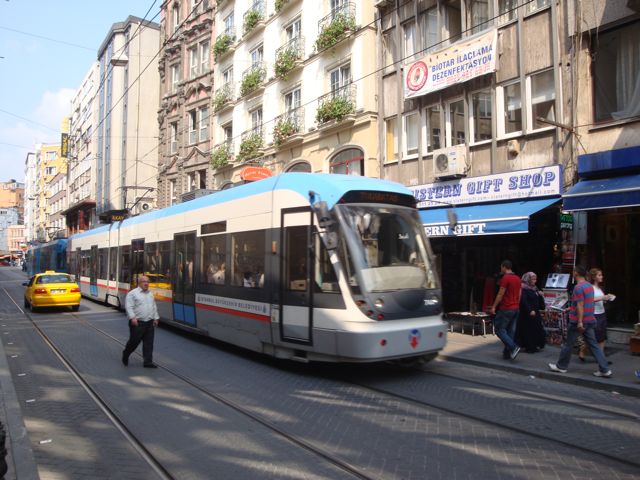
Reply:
x=139, y=446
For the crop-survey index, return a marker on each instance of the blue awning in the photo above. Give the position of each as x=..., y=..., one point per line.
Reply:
x=486, y=219
x=603, y=193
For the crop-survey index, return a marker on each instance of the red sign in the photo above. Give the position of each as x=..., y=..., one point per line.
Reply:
x=251, y=174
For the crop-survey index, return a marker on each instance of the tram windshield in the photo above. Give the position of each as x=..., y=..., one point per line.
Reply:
x=386, y=249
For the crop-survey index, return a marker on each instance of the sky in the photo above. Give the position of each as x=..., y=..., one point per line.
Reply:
x=46, y=50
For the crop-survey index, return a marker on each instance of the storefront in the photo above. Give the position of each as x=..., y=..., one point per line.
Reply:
x=608, y=191
x=514, y=215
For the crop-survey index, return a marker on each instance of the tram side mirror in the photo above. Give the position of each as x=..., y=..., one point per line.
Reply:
x=331, y=240
x=324, y=217
x=452, y=216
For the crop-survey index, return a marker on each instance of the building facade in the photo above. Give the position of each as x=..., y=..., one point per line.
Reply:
x=30, y=194
x=126, y=131
x=12, y=196
x=50, y=164
x=8, y=217
x=56, y=224
x=16, y=241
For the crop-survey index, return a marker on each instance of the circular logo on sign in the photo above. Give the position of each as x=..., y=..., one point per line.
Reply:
x=417, y=76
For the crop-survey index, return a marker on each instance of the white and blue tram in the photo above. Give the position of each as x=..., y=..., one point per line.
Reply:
x=310, y=267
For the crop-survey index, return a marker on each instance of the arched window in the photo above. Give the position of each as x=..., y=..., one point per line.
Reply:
x=349, y=162
x=226, y=186
x=300, y=167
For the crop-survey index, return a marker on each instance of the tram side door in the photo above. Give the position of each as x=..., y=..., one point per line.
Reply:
x=183, y=278
x=296, y=310
x=137, y=261
x=93, y=271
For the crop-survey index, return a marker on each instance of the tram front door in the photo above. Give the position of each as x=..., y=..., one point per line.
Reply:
x=296, y=312
x=183, y=278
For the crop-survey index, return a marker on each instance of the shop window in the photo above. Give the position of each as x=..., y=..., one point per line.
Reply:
x=213, y=264
x=479, y=15
x=616, y=73
x=455, y=122
x=481, y=115
x=429, y=30
x=543, y=98
x=434, y=127
x=391, y=139
x=349, y=162
x=411, y=129
x=247, y=252
x=510, y=104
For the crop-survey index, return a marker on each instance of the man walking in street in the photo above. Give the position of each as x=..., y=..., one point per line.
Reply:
x=143, y=318
x=507, y=302
x=582, y=321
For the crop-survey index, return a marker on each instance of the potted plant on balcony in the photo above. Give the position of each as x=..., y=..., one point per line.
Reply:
x=251, y=81
x=223, y=42
x=251, y=20
x=285, y=62
x=334, y=31
x=220, y=156
x=283, y=129
x=220, y=99
x=335, y=108
x=280, y=5
x=250, y=147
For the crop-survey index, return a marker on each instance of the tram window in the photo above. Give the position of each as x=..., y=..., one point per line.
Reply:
x=113, y=263
x=213, y=259
x=125, y=257
x=325, y=275
x=164, y=261
x=85, y=263
x=72, y=263
x=296, y=258
x=248, y=254
x=103, y=254
x=216, y=227
x=151, y=257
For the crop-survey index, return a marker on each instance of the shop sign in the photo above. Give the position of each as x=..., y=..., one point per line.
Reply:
x=566, y=221
x=522, y=184
x=462, y=61
x=459, y=230
x=251, y=174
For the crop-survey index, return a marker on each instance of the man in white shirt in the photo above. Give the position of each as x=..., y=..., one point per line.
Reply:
x=143, y=318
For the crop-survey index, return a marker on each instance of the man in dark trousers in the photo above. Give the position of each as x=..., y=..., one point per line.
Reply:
x=507, y=302
x=143, y=319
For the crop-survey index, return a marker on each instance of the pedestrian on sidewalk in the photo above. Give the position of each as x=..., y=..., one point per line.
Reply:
x=530, y=333
x=581, y=322
x=599, y=297
x=143, y=319
x=507, y=302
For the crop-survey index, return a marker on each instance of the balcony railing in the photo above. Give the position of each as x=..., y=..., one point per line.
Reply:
x=337, y=104
x=288, y=57
x=222, y=154
x=223, y=97
x=223, y=43
x=288, y=124
x=335, y=26
x=253, y=16
x=251, y=145
x=253, y=78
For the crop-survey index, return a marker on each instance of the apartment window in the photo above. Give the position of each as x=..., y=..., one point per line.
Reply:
x=429, y=30
x=456, y=122
x=256, y=120
x=538, y=4
x=292, y=100
x=204, y=57
x=257, y=55
x=479, y=12
x=227, y=132
x=507, y=9
x=173, y=137
x=389, y=49
x=337, y=6
x=293, y=30
x=175, y=77
x=409, y=32
x=176, y=18
x=543, y=98
x=340, y=78
x=616, y=73
x=192, y=181
x=228, y=25
x=512, y=108
x=192, y=127
x=202, y=179
x=50, y=156
x=50, y=170
x=204, y=124
x=227, y=76
x=172, y=192
x=391, y=139
x=453, y=20
x=411, y=126
x=481, y=116
x=434, y=128
x=193, y=62
x=349, y=162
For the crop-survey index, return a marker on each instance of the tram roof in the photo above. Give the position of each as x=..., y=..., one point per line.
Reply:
x=329, y=187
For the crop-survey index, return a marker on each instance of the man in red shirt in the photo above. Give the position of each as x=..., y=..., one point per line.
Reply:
x=508, y=304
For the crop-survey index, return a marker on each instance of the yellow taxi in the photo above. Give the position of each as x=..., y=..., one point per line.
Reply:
x=51, y=289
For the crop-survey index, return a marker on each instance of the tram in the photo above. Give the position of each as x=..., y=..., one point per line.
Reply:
x=308, y=267
x=47, y=256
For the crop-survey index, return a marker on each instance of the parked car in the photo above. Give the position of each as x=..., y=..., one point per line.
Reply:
x=51, y=289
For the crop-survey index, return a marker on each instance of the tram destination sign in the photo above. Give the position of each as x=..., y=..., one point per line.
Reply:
x=369, y=196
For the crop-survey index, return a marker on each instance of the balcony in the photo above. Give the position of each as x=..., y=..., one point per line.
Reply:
x=337, y=108
x=282, y=5
x=254, y=18
x=223, y=98
x=251, y=145
x=224, y=45
x=222, y=155
x=289, y=128
x=336, y=26
x=289, y=57
x=253, y=79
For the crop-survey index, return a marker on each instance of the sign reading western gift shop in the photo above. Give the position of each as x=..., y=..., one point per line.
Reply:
x=460, y=62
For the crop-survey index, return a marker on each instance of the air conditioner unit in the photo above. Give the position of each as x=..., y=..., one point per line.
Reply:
x=450, y=162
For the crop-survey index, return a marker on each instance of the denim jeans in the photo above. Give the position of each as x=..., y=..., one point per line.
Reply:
x=505, y=323
x=590, y=339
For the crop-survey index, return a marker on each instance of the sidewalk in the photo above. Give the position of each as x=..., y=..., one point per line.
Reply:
x=487, y=352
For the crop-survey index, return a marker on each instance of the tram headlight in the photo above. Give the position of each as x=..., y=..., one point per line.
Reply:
x=379, y=304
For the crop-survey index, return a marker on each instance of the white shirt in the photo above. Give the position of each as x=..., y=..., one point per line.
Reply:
x=141, y=305
x=598, y=307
